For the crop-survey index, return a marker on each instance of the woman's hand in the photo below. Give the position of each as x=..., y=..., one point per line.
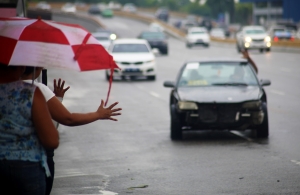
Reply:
x=59, y=90
x=109, y=112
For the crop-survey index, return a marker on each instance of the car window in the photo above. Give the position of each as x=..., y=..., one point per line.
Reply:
x=130, y=48
x=153, y=36
x=197, y=32
x=254, y=31
x=216, y=73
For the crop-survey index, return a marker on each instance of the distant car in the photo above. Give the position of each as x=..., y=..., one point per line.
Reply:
x=69, y=8
x=253, y=37
x=113, y=36
x=134, y=57
x=156, y=27
x=156, y=39
x=217, y=33
x=218, y=94
x=43, y=5
x=107, y=13
x=185, y=25
x=197, y=36
x=162, y=14
x=280, y=33
x=103, y=38
x=94, y=9
x=129, y=7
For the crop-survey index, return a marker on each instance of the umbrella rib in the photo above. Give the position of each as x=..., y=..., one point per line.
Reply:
x=80, y=49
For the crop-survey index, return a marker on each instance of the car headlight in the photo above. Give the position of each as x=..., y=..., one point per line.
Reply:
x=150, y=61
x=113, y=36
x=267, y=39
x=187, y=106
x=252, y=105
x=248, y=39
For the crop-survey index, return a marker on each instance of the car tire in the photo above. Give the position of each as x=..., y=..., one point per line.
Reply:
x=268, y=49
x=151, y=78
x=262, y=130
x=261, y=50
x=238, y=48
x=207, y=45
x=188, y=45
x=164, y=51
x=175, y=126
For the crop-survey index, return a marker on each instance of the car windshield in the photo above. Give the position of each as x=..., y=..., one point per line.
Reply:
x=153, y=35
x=255, y=31
x=217, y=74
x=130, y=48
x=102, y=38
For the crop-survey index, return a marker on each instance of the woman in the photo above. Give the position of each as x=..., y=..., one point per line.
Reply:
x=26, y=130
x=62, y=115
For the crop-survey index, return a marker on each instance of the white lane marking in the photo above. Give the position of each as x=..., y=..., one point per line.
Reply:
x=296, y=162
x=277, y=92
x=285, y=69
x=154, y=94
x=241, y=135
x=108, y=193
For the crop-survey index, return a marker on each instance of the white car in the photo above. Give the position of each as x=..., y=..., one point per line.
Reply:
x=129, y=7
x=43, y=5
x=134, y=57
x=218, y=33
x=103, y=38
x=197, y=36
x=253, y=37
x=69, y=8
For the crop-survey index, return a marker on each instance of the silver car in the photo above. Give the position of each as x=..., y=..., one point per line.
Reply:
x=253, y=37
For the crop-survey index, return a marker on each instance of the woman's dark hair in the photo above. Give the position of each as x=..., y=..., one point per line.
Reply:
x=28, y=70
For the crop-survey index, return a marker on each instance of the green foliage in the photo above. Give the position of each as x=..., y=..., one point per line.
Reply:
x=197, y=9
x=221, y=6
x=243, y=13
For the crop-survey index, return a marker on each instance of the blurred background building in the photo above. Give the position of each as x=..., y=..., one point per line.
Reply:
x=270, y=11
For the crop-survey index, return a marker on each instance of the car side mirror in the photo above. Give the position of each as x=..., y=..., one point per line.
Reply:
x=264, y=82
x=169, y=84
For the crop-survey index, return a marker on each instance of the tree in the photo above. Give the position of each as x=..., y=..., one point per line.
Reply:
x=243, y=13
x=220, y=7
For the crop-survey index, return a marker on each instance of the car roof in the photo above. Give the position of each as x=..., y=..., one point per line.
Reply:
x=130, y=40
x=253, y=27
x=218, y=59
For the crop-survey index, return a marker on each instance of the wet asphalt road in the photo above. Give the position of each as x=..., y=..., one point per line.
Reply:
x=108, y=157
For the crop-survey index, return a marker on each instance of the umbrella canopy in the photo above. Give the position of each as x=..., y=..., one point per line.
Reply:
x=50, y=44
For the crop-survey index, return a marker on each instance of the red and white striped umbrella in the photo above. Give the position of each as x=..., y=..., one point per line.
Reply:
x=50, y=44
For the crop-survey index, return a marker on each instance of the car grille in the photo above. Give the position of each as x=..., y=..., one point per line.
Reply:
x=257, y=40
x=222, y=113
x=134, y=63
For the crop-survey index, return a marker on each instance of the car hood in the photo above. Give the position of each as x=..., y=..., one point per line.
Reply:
x=219, y=94
x=132, y=57
x=198, y=36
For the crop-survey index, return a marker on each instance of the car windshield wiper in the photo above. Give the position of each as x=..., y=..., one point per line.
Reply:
x=231, y=84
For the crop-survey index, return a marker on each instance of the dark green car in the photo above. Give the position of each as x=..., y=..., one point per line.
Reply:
x=107, y=13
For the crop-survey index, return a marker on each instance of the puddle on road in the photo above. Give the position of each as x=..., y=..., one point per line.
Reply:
x=107, y=193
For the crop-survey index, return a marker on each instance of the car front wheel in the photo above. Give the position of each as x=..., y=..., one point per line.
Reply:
x=262, y=130
x=176, y=127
